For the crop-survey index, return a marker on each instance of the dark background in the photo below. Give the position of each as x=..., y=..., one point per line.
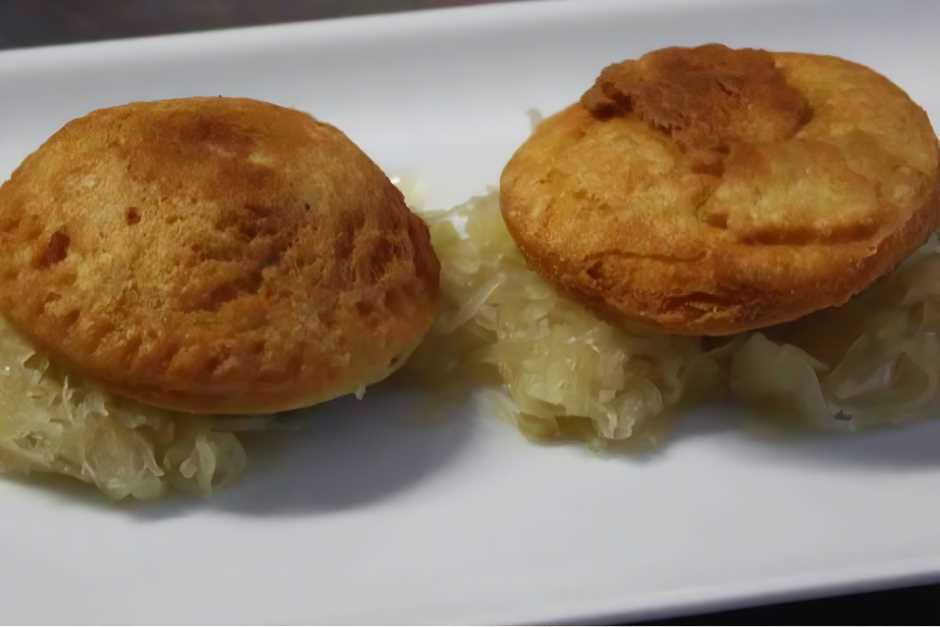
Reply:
x=43, y=22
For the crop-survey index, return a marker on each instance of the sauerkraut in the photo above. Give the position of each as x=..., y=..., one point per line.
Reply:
x=53, y=422
x=875, y=360
x=566, y=372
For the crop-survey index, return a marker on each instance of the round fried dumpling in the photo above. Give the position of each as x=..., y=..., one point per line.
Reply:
x=214, y=255
x=707, y=191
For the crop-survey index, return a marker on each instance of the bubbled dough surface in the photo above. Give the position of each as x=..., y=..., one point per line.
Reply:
x=214, y=255
x=709, y=191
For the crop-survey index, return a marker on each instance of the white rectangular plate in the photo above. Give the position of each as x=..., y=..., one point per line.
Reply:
x=375, y=516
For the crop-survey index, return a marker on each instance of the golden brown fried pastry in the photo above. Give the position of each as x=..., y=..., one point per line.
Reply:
x=214, y=255
x=706, y=191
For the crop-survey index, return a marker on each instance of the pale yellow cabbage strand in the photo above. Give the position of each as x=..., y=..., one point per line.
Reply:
x=53, y=423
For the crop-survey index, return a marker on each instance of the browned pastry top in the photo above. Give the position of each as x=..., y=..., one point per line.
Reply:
x=706, y=191
x=214, y=255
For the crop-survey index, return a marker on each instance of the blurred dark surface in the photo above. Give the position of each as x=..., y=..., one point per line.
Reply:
x=44, y=22
x=905, y=606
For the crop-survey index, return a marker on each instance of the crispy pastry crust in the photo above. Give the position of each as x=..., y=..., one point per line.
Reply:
x=214, y=255
x=708, y=191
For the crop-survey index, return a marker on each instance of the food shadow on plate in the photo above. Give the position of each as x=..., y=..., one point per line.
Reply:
x=902, y=447
x=906, y=446
x=339, y=455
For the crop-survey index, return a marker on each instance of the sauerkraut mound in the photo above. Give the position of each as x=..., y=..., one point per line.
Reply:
x=53, y=422
x=875, y=360
x=568, y=373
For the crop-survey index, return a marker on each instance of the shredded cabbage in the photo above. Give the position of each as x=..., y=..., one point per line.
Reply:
x=566, y=372
x=875, y=360
x=53, y=422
